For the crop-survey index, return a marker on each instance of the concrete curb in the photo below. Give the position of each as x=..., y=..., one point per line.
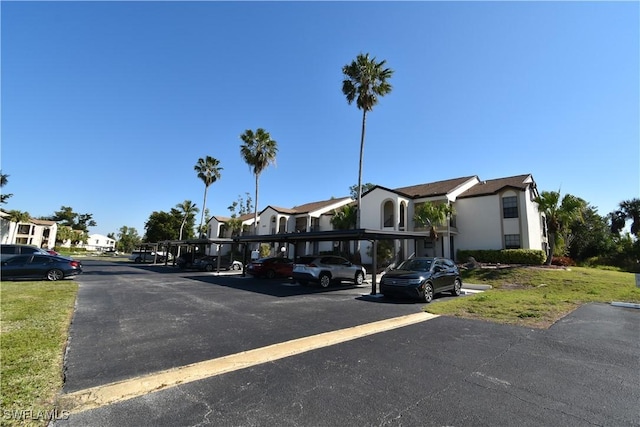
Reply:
x=625, y=304
x=476, y=287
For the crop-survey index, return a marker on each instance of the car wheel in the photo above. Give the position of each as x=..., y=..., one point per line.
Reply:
x=457, y=286
x=138, y=260
x=427, y=294
x=54, y=275
x=325, y=280
x=235, y=267
x=208, y=267
x=271, y=274
x=359, y=280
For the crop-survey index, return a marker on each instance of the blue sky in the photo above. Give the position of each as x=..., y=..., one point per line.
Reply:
x=106, y=107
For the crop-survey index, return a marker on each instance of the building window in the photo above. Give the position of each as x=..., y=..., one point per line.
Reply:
x=510, y=207
x=387, y=212
x=512, y=241
x=24, y=229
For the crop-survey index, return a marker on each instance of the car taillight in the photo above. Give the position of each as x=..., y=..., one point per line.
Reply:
x=74, y=264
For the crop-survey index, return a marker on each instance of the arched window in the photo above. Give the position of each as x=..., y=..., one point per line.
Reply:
x=402, y=215
x=388, y=219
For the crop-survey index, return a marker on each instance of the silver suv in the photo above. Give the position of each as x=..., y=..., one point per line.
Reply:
x=325, y=269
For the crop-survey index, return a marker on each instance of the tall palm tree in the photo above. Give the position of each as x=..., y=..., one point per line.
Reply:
x=208, y=170
x=365, y=81
x=258, y=151
x=188, y=209
x=558, y=214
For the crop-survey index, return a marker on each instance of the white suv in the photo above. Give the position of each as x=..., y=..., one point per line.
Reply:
x=325, y=269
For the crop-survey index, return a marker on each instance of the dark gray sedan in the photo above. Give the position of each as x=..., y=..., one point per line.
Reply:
x=37, y=266
x=422, y=278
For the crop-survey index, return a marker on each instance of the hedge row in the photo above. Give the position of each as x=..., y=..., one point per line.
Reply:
x=504, y=256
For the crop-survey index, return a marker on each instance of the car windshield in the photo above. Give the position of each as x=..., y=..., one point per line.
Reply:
x=416, y=265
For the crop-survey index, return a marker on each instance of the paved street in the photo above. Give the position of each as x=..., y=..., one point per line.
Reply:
x=132, y=321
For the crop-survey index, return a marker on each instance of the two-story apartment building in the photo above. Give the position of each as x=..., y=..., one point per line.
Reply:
x=492, y=214
x=314, y=216
x=36, y=232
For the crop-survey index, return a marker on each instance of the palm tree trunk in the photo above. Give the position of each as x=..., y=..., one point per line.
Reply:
x=255, y=213
x=204, y=208
x=358, y=217
x=552, y=247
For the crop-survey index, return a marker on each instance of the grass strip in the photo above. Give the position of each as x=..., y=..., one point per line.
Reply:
x=35, y=319
x=537, y=296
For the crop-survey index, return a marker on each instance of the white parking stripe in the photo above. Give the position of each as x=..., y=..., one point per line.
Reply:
x=95, y=397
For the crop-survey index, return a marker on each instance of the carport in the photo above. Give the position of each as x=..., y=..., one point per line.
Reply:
x=372, y=236
x=194, y=245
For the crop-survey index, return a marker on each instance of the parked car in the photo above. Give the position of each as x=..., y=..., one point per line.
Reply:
x=325, y=269
x=39, y=266
x=422, y=278
x=8, y=251
x=271, y=267
x=210, y=263
x=149, y=256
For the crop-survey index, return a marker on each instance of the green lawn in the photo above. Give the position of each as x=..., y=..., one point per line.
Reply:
x=537, y=296
x=33, y=334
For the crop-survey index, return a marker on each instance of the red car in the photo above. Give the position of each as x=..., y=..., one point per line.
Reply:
x=271, y=267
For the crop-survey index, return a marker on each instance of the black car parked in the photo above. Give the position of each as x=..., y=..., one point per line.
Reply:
x=39, y=266
x=422, y=278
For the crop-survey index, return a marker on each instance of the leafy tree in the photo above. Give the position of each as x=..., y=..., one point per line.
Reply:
x=365, y=81
x=4, y=179
x=592, y=236
x=353, y=190
x=628, y=210
x=163, y=226
x=559, y=215
x=208, y=170
x=64, y=234
x=258, y=151
x=67, y=217
x=128, y=239
x=68, y=234
x=384, y=253
x=237, y=209
x=429, y=214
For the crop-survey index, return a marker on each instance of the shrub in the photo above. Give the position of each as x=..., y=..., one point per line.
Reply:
x=563, y=261
x=504, y=256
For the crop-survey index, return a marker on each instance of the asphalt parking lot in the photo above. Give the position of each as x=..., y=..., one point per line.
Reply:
x=132, y=321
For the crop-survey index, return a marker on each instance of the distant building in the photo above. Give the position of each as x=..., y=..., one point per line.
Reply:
x=36, y=232
x=98, y=243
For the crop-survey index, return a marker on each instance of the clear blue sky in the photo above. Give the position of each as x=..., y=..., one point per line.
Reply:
x=106, y=107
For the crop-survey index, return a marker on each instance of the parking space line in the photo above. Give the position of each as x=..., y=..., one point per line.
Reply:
x=108, y=394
